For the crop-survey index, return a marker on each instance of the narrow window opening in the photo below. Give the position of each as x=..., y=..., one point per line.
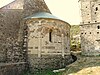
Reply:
x=95, y=21
x=98, y=27
x=96, y=8
x=95, y=12
x=97, y=32
x=86, y=6
x=85, y=33
x=50, y=36
x=90, y=32
x=36, y=47
x=30, y=47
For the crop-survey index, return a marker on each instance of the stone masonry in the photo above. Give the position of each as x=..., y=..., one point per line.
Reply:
x=11, y=16
x=48, y=42
x=12, y=55
x=12, y=68
x=42, y=43
x=90, y=27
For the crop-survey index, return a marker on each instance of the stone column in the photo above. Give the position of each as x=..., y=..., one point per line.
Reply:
x=39, y=50
x=62, y=45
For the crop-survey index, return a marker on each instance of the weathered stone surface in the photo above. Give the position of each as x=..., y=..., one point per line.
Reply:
x=12, y=68
x=9, y=30
x=48, y=62
x=39, y=29
x=11, y=17
x=14, y=42
x=90, y=27
x=90, y=11
x=48, y=42
x=90, y=39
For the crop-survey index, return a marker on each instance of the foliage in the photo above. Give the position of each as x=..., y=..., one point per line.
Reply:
x=75, y=30
x=46, y=72
x=75, y=44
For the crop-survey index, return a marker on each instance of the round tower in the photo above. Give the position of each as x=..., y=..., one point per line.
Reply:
x=48, y=41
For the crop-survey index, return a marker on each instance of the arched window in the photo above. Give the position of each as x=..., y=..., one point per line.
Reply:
x=50, y=36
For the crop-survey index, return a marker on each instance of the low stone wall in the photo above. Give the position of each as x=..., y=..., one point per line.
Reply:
x=12, y=68
x=48, y=62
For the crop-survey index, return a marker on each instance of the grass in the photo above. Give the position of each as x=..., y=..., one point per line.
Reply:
x=75, y=30
x=46, y=72
x=84, y=65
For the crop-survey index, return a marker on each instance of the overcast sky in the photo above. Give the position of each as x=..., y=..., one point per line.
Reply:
x=67, y=10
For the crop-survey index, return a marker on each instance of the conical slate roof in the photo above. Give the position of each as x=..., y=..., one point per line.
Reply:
x=42, y=15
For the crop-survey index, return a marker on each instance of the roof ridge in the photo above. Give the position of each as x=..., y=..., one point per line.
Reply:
x=7, y=4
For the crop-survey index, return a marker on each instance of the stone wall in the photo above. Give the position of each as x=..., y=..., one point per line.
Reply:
x=90, y=11
x=9, y=28
x=12, y=68
x=11, y=17
x=90, y=38
x=11, y=46
x=90, y=30
x=48, y=62
x=40, y=29
x=44, y=53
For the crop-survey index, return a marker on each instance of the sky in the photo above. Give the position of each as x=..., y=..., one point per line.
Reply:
x=67, y=10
